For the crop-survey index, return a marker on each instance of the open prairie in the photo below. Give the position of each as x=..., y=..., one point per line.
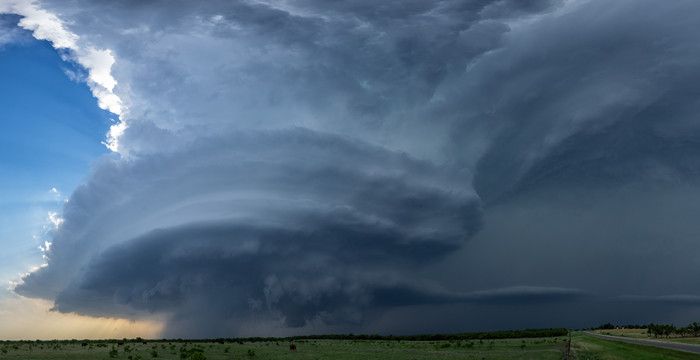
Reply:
x=583, y=347
x=535, y=349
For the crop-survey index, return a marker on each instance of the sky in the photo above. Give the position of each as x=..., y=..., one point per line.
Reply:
x=43, y=110
x=263, y=168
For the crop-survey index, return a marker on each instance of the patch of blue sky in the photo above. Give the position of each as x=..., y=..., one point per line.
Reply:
x=50, y=133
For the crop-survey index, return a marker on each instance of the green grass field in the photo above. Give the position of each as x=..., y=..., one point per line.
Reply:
x=549, y=348
x=635, y=333
x=586, y=347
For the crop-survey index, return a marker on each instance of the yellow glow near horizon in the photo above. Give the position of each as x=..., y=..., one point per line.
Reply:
x=30, y=319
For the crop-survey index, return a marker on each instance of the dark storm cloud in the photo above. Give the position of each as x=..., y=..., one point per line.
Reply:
x=678, y=299
x=527, y=295
x=363, y=216
x=590, y=178
x=354, y=67
x=291, y=225
x=570, y=127
x=613, y=102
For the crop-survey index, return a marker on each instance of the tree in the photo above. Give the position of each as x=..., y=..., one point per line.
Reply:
x=695, y=328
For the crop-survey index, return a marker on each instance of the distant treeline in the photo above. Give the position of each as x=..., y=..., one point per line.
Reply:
x=504, y=334
x=492, y=335
x=658, y=330
x=609, y=326
x=668, y=330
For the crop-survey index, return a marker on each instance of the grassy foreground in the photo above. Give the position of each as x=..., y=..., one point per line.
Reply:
x=586, y=347
x=535, y=349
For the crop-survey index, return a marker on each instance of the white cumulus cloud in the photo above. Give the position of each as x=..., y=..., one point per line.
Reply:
x=46, y=25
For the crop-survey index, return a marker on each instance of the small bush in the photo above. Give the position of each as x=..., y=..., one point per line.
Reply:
x=198, y=356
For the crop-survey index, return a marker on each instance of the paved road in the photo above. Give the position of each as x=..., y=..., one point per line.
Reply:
x=649, y=342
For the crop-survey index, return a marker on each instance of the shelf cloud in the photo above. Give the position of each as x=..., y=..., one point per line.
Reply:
x=310, y=166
